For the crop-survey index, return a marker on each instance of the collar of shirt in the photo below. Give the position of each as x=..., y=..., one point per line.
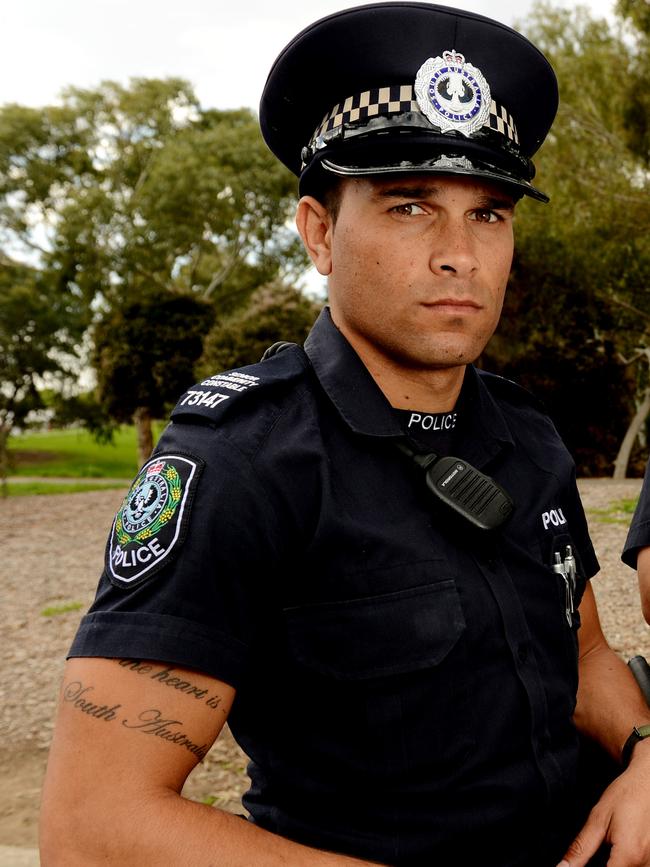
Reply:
x=365, y=409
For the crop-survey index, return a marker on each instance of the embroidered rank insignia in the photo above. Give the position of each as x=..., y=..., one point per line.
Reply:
x=452, y=93
x=152, y=520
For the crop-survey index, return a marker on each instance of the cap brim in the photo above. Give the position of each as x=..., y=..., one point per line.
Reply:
x=439, y=166
x=428, y=154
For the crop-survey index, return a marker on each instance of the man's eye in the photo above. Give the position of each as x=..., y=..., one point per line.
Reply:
x=410, y=209
x=486, y=216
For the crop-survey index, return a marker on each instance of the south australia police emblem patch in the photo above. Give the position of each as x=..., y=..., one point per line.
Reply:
x=152, y=519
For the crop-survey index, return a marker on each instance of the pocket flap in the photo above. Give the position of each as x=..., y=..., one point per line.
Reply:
x=378, y=635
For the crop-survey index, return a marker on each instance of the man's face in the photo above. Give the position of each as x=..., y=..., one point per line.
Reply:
x=418, y=268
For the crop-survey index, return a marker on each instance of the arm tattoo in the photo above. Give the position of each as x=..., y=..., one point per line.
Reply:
x=149, y=722
x=164, y=675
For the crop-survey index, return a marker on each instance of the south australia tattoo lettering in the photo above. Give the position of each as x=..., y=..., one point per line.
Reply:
x=149, y=722
x=80, y=697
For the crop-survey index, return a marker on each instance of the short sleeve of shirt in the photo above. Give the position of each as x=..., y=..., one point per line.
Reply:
x=585, y=552
x=639, y=533
x=186, y=559
x=572, y=513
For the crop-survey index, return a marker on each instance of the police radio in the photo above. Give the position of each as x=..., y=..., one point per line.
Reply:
x=452, y=481
x=461, y=487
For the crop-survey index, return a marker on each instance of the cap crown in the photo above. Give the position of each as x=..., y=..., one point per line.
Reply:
x=373, y=48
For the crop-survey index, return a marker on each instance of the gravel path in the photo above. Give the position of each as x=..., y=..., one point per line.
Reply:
x=51, y=549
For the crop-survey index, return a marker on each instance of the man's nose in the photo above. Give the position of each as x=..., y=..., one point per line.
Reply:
x=454, y=249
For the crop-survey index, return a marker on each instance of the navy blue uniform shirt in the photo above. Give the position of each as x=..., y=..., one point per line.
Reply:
x=639, y=533
x=405, y=685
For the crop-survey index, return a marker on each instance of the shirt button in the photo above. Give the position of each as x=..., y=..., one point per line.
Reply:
x=522, y=653
x=492, y=565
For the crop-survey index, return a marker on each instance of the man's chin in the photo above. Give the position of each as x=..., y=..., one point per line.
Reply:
x=438, y=358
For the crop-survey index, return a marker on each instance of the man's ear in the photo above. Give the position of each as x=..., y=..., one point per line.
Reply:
x=315, y=225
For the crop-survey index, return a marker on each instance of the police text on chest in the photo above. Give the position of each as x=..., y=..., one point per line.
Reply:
x=553, y=517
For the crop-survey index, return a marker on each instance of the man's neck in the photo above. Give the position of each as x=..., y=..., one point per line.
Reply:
x=429, y=391
x=425, y=390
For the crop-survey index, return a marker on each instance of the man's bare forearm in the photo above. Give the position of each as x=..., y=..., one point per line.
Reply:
x=163, y=828
x=609, y=702
x=609, y=705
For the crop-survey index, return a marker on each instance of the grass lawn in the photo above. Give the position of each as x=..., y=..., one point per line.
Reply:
x=618, y=512
x=75, y=454
x=30, y=489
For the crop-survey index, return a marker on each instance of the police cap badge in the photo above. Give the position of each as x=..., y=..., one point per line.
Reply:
x=399, y=87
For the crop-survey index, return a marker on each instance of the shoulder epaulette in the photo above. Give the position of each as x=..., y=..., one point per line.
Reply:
x=217, y=395
x=511, y=391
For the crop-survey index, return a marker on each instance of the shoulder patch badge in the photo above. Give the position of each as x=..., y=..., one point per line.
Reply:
x=152, y=519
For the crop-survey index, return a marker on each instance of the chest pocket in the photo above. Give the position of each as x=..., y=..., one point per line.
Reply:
x=387, y=676
x=390, y=634
x=560, y=556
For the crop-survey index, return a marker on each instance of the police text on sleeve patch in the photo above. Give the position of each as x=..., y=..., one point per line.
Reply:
x=152, y=519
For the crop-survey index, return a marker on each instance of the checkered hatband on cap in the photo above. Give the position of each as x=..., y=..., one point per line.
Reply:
x=397, y=99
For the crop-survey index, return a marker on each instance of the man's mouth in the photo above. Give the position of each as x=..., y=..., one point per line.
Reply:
x=458, y=304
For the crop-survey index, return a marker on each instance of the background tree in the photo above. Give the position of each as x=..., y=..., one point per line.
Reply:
x=637, y=103
x=578, y=305
x=275, y=312
x=144, y=355
x=121, y=192
x=39, y=332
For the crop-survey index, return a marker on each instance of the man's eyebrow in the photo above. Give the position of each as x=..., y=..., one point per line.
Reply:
x=419, y=191
x=410, y=191
x=493, y=203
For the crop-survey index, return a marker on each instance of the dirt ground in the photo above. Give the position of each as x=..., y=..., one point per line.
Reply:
x=51, y=548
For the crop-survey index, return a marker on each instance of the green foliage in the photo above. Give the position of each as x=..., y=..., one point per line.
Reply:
x=600, y=203
x=145, y=351
x=38, y=330
x=578, y=299
x=276, y=312
x=637, y=110
x=122, y=195
x=143, y=190
x=39, y=327
x=73, y=410
x=216, y=194
x=638, y=11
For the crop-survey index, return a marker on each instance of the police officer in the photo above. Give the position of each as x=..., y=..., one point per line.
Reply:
x=636, y=552
x=368, y=556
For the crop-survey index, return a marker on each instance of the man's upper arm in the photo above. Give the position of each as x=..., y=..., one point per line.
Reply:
x=643, y=571
x=590, y=634
x=126, y=730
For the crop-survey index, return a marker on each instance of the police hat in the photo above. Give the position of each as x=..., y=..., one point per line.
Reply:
x=409, y=87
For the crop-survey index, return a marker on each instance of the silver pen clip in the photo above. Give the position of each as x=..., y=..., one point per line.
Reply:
x=570, y=567
x=560, y=567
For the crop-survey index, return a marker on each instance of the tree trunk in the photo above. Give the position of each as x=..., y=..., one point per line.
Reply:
x=623, y=456
x=144, y=433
